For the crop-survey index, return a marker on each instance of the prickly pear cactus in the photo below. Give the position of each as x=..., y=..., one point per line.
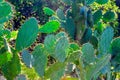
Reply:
x=109, y=16
x=102, y=1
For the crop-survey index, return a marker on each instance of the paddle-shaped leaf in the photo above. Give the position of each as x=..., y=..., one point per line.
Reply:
x=27, y=34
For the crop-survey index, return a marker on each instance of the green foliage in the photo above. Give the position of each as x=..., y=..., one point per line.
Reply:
x=50, y=27
x=90, y=1
x=93, y=70
x=88, y=53
x=60, y=13
x=49, y=44
x=39, y=56
x=105, y=40
x=115, y=50
x=109, y=16
x=5, y=12
x=55, y=71
x=27, y=58
x=4, y=57
x=48, y=11
x=51, y=58
x=12, y=68
x=97, y=16
x=102, y=1
x=86, y=36
x=27, y=34
x=61, y=49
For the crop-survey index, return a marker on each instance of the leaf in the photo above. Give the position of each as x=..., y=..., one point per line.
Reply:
x=86, y=36
x=27, y=58
x=61, y=49
x=92, y=70
x=69, y=27
x=115, y=50
x=5, y=9
x=97, y=16
x=102, y=1
x=12, y=68
x=90, y=1
x=1, y=0
x=68, y=2
x=88, y=53
x=49, y=44
x=55, y=72
x=48, y=11
x=109, y=16
x=27, y=34
x=5, y=57
x=73, y=47
x=60, y=34
x=50, y=27
x=40, y=60
x=5, y=12
x=60, y=14
x=105, y=40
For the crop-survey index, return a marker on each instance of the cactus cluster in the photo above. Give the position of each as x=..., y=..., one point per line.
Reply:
x=59, y=55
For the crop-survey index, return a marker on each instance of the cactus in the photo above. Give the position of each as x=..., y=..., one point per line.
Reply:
x=86, y=36
x=39, y=56
x=105, y=40
x=5, y=15
x=109, y=16
x=102, y=1
x=88, y=53
x=12, y=68
x=97, y=16
x=91, y=71
x=25, y=40
x=115, y=50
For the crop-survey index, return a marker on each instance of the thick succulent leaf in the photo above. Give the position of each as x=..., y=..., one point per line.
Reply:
x=90, y=1
x=73, y=47
x=100, y=27
x=105, y=40
x=50, y=27
x=60, y=34
x=88, y=53
x=74, y=56
x=61, y=49
x=12, y=68
x=55, y=71
x=5, y=9
x=86, y=36
x=5, y=57
x=27, y=58
x=94, y=41
x=109, y=16
x=69, y=26
x=92, y=70
x=60, y=14
x=97, y=16
x=115, y=49
x=49, y=44
x=68, y=2
x=27, y=34
x=48, y=11
x=1, y=0
x=102, y=1
x=5, y=12
x=40, y=60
